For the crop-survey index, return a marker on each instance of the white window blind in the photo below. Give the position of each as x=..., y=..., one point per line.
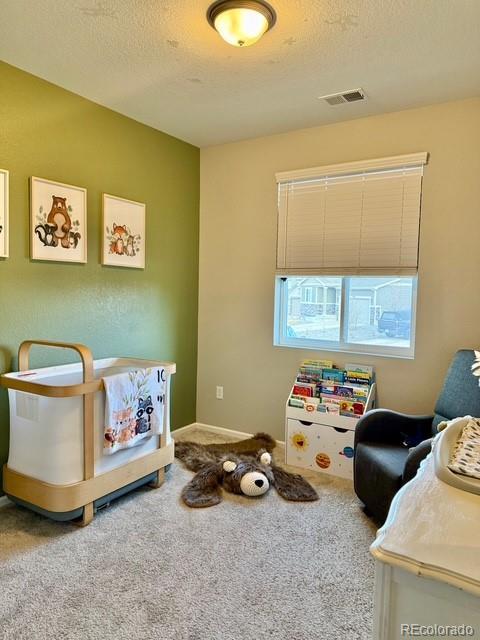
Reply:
x=361, y=217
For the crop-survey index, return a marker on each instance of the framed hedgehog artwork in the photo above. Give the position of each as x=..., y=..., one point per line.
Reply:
x=123, y=232
x=3, y=213
x=58, y=214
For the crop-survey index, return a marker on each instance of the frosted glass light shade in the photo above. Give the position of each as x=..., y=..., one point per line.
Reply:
x=241, y=23
x=241, y=27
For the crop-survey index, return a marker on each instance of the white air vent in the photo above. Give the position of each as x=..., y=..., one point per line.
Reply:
x=345, y=96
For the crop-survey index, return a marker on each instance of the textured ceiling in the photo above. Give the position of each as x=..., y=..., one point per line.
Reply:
x=162, y=64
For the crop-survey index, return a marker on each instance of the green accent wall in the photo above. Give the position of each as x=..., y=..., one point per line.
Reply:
x=51, y=133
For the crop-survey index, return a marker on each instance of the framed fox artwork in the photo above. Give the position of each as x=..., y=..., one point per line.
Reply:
x=123, y=232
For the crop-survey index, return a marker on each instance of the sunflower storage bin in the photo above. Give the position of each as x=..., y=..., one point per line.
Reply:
x=56, y=464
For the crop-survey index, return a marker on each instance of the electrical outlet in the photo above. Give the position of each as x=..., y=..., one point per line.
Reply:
x=219, y=393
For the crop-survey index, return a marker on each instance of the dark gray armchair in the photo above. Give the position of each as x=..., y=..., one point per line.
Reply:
x=389, y=446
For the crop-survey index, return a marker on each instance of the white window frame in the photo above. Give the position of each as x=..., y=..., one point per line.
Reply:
x=280, y=325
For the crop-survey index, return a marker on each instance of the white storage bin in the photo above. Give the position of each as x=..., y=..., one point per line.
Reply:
x=320, y=447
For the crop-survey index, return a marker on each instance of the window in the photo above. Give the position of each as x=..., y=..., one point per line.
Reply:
x=307, y=294
x=362, y=314
x=347, y=256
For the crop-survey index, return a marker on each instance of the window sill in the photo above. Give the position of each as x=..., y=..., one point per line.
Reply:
x=408, y=354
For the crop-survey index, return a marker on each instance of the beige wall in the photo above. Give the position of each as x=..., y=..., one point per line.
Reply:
x=237, y=261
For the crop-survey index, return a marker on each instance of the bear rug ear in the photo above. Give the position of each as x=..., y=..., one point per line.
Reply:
x=292, y=486
x=204, y=490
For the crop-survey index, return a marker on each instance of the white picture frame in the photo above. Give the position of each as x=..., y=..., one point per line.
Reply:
x=4, y=199
x=123, y=232
x=58, y=221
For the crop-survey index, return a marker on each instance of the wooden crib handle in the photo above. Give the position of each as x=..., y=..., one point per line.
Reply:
x=88, y=403
x=83, y=351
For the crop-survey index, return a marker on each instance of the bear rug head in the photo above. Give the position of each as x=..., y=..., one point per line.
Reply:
x=244, y=467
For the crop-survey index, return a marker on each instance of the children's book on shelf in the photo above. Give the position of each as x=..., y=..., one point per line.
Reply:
x=321, y=386
x=304, y=389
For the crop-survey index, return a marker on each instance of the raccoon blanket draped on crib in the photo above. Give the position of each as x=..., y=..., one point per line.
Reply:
x=134, y=407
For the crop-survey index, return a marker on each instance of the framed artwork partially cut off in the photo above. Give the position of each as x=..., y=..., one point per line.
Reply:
x=3, y=213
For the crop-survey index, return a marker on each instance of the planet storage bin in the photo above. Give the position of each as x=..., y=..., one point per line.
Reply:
x=320, y=447
x=56, y=464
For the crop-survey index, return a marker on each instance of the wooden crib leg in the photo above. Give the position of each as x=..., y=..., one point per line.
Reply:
x=159, y=479
x=160, y=474
x=87, y=516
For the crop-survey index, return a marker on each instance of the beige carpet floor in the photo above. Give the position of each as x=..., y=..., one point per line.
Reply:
x=149, y=568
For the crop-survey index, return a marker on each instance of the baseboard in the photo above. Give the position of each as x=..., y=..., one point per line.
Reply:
x=4, y=501
x=187, y=427
x=219, y=430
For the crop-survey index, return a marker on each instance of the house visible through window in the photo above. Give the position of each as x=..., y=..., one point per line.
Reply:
x=377, y=315
x=347, y=256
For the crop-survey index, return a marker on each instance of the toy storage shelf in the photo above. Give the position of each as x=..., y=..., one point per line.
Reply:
x=322, y=441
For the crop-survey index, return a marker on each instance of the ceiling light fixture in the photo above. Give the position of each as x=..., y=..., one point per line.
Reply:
x=241, y=22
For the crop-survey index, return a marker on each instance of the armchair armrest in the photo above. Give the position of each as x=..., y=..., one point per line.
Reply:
x=383, y=425
x=414, y=458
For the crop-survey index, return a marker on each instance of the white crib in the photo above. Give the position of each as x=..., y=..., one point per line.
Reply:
x=56, y=464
